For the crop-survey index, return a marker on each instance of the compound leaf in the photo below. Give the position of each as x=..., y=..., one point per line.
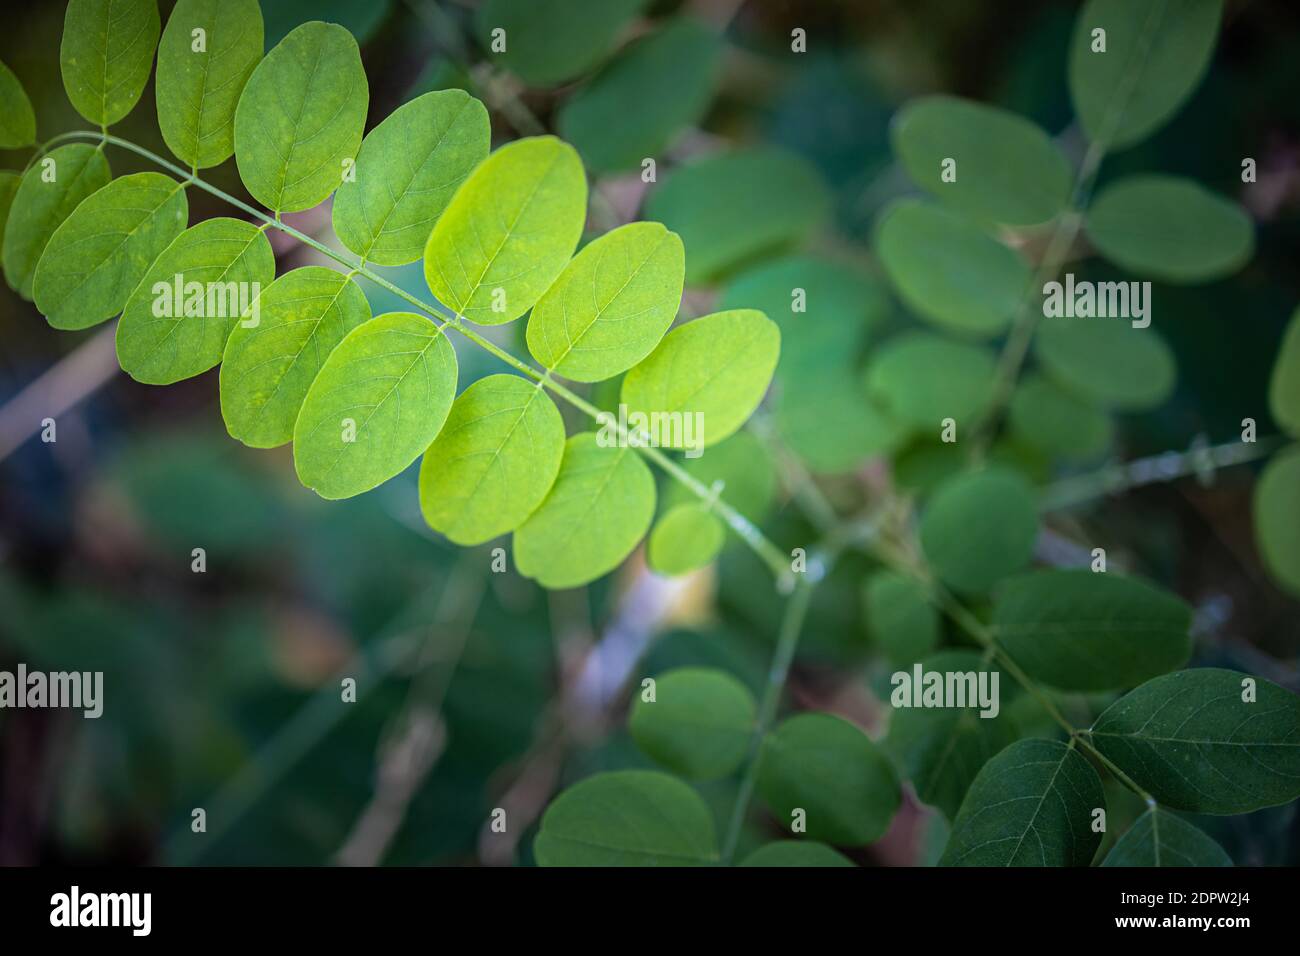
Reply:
x=548, y=42
x=687, y=537
x=409, y=167
x=509, y=231
x=106, y=55
x=1276, y=511
x=379, y=401
x=17, y=120
x=1207, y=740
x=979, y=528
x=99, y=253
x=784, y=853
x=1107, y=361
x=169, y=333
x=301, y=116
x=269, y=366
x=493, y=462
x=699, y=724
x=611, y=305
x=1158, y=838
x=598, y=509
x=923, y=378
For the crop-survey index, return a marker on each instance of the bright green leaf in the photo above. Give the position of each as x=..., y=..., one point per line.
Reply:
x=301, y=116
x=699, y=725
x=493, y=462
x=409, y=167
x=784, y=853
x=106, y=55
x=509, y=231
x=899, y=616
x=611, y=305
x=97, y=256
x=1107, y=361
x=1284, y=386
x=17, y=120
x=1031, y=805
x=1057, y=422
x=166, y=334
x=1207, y=740
x=923, y=378
x=550, y=41
x=1077, y=630
x=1276, y=511
x=268, y=367
x=979, y=528
x=687, y=537
x=1159, y=838
x=743, y=466
x=379, y=401
x=831, y=770
x=598, y=509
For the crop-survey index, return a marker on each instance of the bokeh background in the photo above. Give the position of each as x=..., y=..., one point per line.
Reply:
x=479, y=690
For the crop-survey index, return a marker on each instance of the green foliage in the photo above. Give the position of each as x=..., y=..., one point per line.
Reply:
x=1057, y=421
x=979, y=528
x=8, y=189
x=830, y=770
x=107, y=54
x=493, y=462
x=551, y=41
x=745, y=470
x=17, y=120
x=1159, y=838
x=508, y=232
x=99, y=253
x=1277, y=514
x=1284, y=386
x=784, y=853
x=627, y=818
x=900, y=617
x=1107, y=362
x=352, y=434
x=921, y=379
x=1207, y=740
x=198, y=90
x=1085, y=631
x=687, y=537
x=300, y=117
x=699, y=725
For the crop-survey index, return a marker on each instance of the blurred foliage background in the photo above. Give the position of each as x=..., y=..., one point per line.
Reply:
x=478, y=690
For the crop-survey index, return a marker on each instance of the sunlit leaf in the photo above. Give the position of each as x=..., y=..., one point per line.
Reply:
x=687, y=537
x=106, y=55
x=744, y=469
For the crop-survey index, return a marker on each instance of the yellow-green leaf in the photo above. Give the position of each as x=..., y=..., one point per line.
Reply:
x=17, y=120
x=106, y=55
x=689, y=536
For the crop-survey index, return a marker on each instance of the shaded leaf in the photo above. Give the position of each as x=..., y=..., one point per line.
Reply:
x=899, y=616
x=922, y=379
x=687, y=537
x=979, y=528
x=17, y=120
x=745, y=470
x=1276, y=510
x=362, y=20
x=9, y=181
x=551, y=41
x=796, y=853
x=1057, y=422
x=1107, y=361
x=831, y=422
x=106, y=54
x=1284, y=386
x=699, y=724
x=1159, y=838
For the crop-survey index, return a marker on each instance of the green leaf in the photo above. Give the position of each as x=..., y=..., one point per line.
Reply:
x=268, y=368
x=165, y=337
x=1082, y=631
x=1031, y=805
x=745, y=470
x=1057, y=422
x=796, y=853
x=97, y=256
x=1156, y=55
x=409, y=167
x=9, y=181
x=17, y=120
x=1168, y=228
x=598, y=509
x=1006, y=168
x=40, y=206
x=832, y=771
x=830, y=421
x=106, y=55
x=687, y=537
x=942, y=749
x=493, y=462
x=1276, y=510
x=922, y=379
x=1284, y=386
x=611, y=305
x=699, y=725
x=669, y=74
x=379, y=401
x=509, y=231
x=1107, y=361
x=627, y=818
x=301, y=115
x=899, y=616
x=551, y=41
x=716, y=368
x=710, y=204
x=949, y=271
x=1194, y=744
x=1159, y=838
x=979, y=528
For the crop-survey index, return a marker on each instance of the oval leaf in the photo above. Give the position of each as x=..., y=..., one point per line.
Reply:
x=1284, y=387
x=269, y=366
x=833, y=772
x=379, y=401
x=1276, y=511
x=551, y=41
x=1081, y=631
x=493, y=462
x=979, y=528
x=899, y=616
x=1192, y=741
x=198, y=90
x=509, y=231
x=611, y=305
x=1057, y=422
x=627, y=818
x=784, y=853
x=176, y=323
x=1031, y=805
x=409, y=167
x=17, y=120
x=687, y=537
x=97, y=256
x=716, y=369
x=1159, y=838
x=699, y=724
x=106, y=55
x=301, y=115
x=598, y=509
x=1107, y=361
x=922, y=379
x=743, y=467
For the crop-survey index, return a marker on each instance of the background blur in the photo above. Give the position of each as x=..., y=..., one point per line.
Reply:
x=480, y=690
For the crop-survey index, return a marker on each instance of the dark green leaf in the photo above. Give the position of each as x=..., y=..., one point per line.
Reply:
x=551, y=41
x=796, y=853
x=1277, y=515
x=17, y=121
x=699, y=725
x=922, y=379
x=899, y=616
x=1159, y=838
x=1057, y=422
x=1284, y=386
x=979, y=528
